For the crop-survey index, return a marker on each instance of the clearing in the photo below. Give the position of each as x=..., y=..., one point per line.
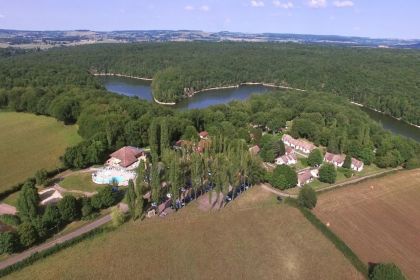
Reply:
x=254, y=237
x=379, y=219
x=29, y=143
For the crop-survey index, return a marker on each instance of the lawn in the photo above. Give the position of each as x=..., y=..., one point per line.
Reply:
x=80, y=182
x=254, y=237
x=379, y=219
x=29, y=143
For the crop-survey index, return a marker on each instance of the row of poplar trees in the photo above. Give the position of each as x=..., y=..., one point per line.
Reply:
x=223, y=164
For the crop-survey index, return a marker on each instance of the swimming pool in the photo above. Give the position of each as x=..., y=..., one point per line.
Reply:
x=108, y=180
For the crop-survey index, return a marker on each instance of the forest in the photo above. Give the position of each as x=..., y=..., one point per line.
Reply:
x=383, y=79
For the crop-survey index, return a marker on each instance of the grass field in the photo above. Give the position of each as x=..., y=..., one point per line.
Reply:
x=29, y=143
x=254, y=237
x=379, y=219
x=80, y=182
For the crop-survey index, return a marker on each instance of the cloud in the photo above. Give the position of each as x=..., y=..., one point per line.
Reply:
x=205, y=8
x=285, y=5
x=257, y=3
x=343, y=4
x=2, y=16
x=189, y=8
x=317, y=3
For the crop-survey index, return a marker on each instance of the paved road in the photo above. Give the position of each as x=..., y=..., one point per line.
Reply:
x=13, y=259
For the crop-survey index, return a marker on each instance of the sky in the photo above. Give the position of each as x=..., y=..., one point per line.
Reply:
x=367, y=18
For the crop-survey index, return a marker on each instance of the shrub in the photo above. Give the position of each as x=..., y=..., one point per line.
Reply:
x=41, y=176
x=327, y=173
x=307, y=197
x=413, y=163
x=283, y=177
x=51, y=217
x=8, y=242
x=347, y=162
x=104, y=198
x=315, y=158
x=87, y=208
x=10, y=220
x=27, y=234
x=387, y=271
x=118, y=217
x=68, y=208
x=346, y=172
x=27, y=203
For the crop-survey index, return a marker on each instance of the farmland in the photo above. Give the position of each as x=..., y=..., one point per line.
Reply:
x=379, y=219
x=254, y=237
x=29, y=143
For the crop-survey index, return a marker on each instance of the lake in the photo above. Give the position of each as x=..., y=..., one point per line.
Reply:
x=142, y=89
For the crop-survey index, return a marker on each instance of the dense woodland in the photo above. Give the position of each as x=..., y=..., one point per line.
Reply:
x=386, y=80
x=58, y=83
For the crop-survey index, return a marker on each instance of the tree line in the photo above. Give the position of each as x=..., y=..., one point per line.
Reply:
x=382, y=79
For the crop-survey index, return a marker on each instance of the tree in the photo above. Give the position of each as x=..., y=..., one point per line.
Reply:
x=190, y=134
x=130, y=197
x=8, y=242
x=27, y=203
x=327, y=173
x=68, y=208
x=41, y=176
x=315, y=158
x=106, y=197
x=87, y=208
x=51, y=217
x=307, y=197
x=27, y=234
x=388, y=271
x=284, y=177
x=347, y=162
x=164, y=134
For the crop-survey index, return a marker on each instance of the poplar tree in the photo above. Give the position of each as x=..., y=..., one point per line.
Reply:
x=131, y=199
x=27, y=204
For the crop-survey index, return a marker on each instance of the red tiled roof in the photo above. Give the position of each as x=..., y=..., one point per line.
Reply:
x=357, y=163
x=333, y=158
x=304, y=176
x=203, y=134
x=127, y=155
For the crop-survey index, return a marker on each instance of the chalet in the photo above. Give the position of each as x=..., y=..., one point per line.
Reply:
x=357, y=165
x=298, y=144
x=203, y=135
x=254, y=150
x=126, y=157
x=286, y=160
x=336, y=160
x=306, y=176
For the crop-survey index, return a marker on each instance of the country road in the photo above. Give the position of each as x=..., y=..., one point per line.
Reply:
x=13, y=259
x=354, y=181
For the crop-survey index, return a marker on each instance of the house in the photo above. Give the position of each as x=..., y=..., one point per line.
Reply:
x=126, y=157
x=306, y=176
x=286, y=160
x=336, y=160
x=254, y=150
x=203, y=135
x=289, y=150
x=357, y=165
x=298, y=144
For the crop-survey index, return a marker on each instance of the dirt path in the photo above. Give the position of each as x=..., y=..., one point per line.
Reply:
x=13, y=259
x=7, y=209
x=60, y=189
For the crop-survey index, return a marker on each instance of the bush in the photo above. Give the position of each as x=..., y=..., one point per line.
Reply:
x=118, y=217
x=10, y=220
x=68, y=208
x=387, y=271
x=8, y=242
x=315, y=158
x=413, y=163
x=52, y=217
x=104, y=198
x=327, y=173
x=307, y=197
x=347, y=162
x=284, y=177
x=41, y=176
x=346, y=172
x=87, y=208
x=27, y=234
